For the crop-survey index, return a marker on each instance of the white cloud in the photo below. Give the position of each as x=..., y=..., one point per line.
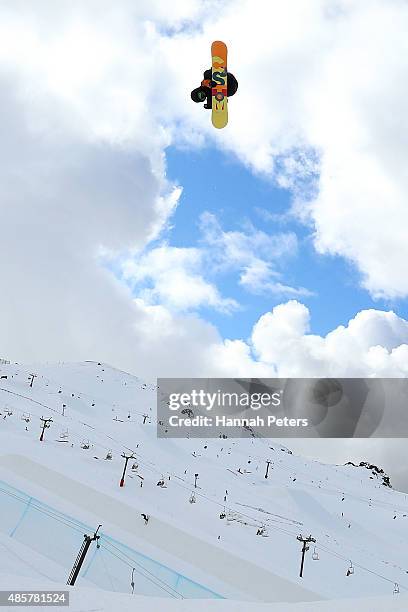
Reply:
x=374, y=343
x=255, y=254
x=81, y=168
x=177, y=279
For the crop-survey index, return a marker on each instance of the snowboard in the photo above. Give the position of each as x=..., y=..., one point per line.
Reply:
x=219, y=115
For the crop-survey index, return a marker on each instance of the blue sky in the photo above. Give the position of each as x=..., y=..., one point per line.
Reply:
x=216, y=182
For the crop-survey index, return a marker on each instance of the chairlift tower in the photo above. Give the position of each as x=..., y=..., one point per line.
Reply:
x=305, y=548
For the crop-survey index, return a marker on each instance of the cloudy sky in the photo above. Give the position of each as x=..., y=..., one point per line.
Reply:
x=133, y=232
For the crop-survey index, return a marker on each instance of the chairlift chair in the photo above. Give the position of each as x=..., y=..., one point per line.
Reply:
x=315, y=555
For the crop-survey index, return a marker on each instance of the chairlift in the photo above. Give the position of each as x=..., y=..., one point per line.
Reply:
x=350, y=570
x=63, y=435
x=315, y=555
x=192, y=499
x=109, y=455
x=85, y=445
x=396, y=588
x=25, y=417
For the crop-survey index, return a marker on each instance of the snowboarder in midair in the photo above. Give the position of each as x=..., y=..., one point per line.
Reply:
x=204, y=92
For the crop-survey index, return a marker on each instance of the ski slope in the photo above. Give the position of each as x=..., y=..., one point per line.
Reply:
x=355, y=519
x=84, y=599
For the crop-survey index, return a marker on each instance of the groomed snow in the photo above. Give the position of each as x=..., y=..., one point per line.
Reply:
x=91, y=600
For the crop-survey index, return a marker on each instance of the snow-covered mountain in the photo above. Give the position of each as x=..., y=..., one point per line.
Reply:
x=234, y=536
